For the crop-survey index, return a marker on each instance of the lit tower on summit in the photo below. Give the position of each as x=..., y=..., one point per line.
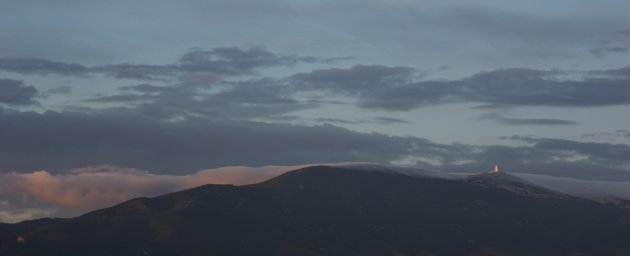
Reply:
x=496, y=168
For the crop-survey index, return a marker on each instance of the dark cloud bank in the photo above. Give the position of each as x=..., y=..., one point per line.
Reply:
x=15, y=92
x=188, y=125
x=227, y=61
x=396, y=89
x=526, y=121
x=58, y=141
x=373, y=86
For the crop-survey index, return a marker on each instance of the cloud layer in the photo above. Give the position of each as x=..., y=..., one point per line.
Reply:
x=527, y=121
x=58, y=141
x=224, y=61
x=41, y=194
x=398, y=89
x=392, y=88
x=210, y=116
x=15, y=92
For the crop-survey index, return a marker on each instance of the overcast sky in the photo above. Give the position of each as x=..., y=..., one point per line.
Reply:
x=171, y=88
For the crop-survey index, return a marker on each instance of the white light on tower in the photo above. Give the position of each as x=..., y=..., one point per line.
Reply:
x=496, y=168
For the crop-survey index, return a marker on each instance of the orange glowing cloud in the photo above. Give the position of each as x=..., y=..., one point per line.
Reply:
x=42, y=194
x=89, y=188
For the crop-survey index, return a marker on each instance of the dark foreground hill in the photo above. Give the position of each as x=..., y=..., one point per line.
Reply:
x=337, y=211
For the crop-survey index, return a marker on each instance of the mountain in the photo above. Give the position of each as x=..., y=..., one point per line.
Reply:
x=506, y=181
x=338, y=211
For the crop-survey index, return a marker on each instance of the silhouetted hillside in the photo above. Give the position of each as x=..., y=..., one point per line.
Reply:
x=338, y=211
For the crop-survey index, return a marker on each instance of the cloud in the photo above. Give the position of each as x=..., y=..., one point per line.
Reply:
x=334, y=120
x=411, y=96
x=42, y=194
x=11, y=214
x=625, y=32
x=42, y=67
x=560, y=157
x=15, y=92
x=222, y=61
x=597, y=190
x=138, y=71
x=527, y=121
x=594, y=151
x=98, y=186
x=376, y=120
x=57, y=141
x=389, y=120
x=255, y=98
x=601, y=51
x=57, y=90
x=147, y=88
x=619, y=73
x=614, y=135
x=235, y=61
x=398, y=89
x=33, y=66
x=391, y=88
x=243, y=100
x=125, y=98
x=497, y=31
x=199, y=65
x=357, y=79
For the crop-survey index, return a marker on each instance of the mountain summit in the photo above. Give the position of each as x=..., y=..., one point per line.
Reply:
x=506, y=181
x=325, y=210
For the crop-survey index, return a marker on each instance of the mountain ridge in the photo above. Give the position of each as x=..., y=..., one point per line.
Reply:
x=323, y=210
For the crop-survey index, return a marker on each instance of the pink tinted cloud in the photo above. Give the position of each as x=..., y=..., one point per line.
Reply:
x=42, y=194
x=101, y=186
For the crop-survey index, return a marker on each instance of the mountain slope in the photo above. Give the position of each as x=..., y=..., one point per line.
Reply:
x=337, y=211
x=506, y=181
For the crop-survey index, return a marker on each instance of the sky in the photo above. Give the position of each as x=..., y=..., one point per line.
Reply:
x=101, y=101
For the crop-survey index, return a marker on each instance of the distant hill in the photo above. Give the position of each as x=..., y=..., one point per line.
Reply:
x=339, y=211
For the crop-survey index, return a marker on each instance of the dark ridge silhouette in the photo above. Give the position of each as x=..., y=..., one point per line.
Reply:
x=339, y=211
